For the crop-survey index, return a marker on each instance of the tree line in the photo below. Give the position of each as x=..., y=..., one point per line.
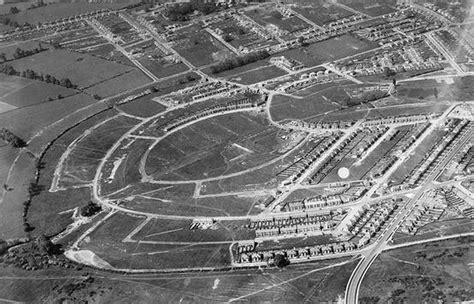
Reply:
x=232, y=63
x=20, y=53
x=30, y=74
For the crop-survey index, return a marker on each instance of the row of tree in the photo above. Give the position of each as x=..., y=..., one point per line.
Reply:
x=20, y=53
x=11, y=138
x=233, y=63
x=30, y=74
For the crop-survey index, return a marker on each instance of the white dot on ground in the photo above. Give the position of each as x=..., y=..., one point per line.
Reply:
x=343, y=172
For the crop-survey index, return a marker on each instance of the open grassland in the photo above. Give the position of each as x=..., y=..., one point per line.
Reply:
x=425, y=273
x=293, y=284
x=121, y=169
x=161, y=230
x=60, y=10
x=258, y=75
x=322, y=14
x=162, y=69
x=199, y=47
x=261, y=179
x=82, y=162
x=83, y=70
x=106, y=242
x=372, y=8
x=28, y=121
x=456, y=88
x=143, y=107
x=233, y=204
x=44, y=213
x=439, y=228
x=9, y=48
x=11, y=208
x=171, y=201
x=329, y=50
x=216, y=146
x=123, y=82
x=20, y=92
x=284, y=107
x=265, y=16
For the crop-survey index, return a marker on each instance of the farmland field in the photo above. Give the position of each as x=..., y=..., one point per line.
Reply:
x=75, y=66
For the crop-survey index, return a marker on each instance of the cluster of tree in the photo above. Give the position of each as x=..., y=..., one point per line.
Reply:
x=11, y=138
x=367, y=97
x=281, y=261
x=188, y=78
x=227, y=38
x=233, y=63
x=20, y=53
x=90, y=209
x=39, y=253
x=180, y=12
x=30, y=74
x=9, y=22
x=14, y=10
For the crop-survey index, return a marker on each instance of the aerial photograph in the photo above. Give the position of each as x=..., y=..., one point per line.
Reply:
x=237, y=151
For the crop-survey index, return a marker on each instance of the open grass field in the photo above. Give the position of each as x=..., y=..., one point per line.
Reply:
x=284, y=107
x=11, y=208
x=106, y=242
x=426, y=273
x=88, y=152
x=199, y=47
x=162, y=69
x=9, y=48
x=216, y=146
x=329, y=50
x=435, y=229
x=271, y=285
x=143, y=107
x=322, y=14
x=265, y=16
x=160, y=230
x=60, y=10
x=83, y=70
x=20, y=92
x=258, y=75
x=372, y=8
x=120, y=83
x=261, y=179
x=121, y=169
x=28, y=121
